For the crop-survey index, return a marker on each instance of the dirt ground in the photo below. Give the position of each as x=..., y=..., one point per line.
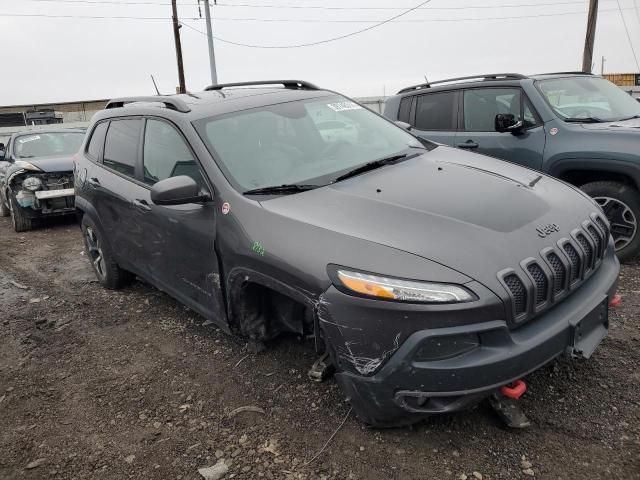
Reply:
x=130, y=384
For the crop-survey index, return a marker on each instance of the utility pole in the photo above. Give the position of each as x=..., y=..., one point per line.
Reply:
x=602, y=65
x=587, y=56
x=176, y=36
x=212, y=55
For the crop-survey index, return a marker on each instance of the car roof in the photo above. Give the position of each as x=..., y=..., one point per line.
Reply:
x=491, y=80
x=217, y=100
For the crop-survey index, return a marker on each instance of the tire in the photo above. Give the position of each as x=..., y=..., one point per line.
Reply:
x=4, y=208
x=21, y=223
x=97, y=249
x=621, y=205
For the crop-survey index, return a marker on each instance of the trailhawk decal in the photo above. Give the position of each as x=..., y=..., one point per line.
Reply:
x=343, y=106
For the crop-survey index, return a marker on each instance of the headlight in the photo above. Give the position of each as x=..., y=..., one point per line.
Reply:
x=402, y=290
x=32, y=184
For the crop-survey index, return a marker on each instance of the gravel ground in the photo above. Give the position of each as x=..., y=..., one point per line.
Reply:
x=130, y=384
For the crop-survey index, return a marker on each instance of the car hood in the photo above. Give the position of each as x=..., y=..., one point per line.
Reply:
x=631, y=125
x=51, y=164
x=472, y=213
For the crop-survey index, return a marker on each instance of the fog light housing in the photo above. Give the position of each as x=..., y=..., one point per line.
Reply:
x=443, y=347
x=32, y=184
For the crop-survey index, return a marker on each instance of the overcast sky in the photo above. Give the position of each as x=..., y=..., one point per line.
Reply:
x=66, y=59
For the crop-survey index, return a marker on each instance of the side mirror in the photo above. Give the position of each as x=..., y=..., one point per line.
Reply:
x=177, y=191
x=2, y=151
x=403, y=125
x=506, y=122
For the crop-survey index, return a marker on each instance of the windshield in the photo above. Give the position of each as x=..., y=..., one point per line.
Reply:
x=47, y=144
x=588, y=97
x=301, y=142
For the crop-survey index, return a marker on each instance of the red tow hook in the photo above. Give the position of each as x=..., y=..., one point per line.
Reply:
x=515, y=390
x=615, y=301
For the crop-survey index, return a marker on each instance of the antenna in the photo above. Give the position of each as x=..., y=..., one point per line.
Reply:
x=156, y=86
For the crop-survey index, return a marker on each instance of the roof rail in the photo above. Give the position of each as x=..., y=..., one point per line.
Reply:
x=488, y=77
x=293, y=84
x=170, y=102
x=566, y=73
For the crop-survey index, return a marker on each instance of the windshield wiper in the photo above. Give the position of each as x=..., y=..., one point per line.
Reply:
x=371, y=166
x=584, y=120
x=628, y=118
x=281, y=189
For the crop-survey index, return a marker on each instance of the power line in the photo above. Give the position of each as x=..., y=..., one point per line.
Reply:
x=317, y=7
x=328, y=40
x=309, y=20
x=626, y=29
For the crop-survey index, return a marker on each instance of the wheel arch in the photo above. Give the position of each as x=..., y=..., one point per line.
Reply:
x=246, y=292
x=579, y=172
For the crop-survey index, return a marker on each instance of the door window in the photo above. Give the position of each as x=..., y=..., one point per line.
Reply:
x=166, y=154
x=97, y=140
x=121, y=146
x=436, y=111
x=405, y=110
x=481, y=105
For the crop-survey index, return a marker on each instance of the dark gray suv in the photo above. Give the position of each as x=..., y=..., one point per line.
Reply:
x=428, y=276
x=578, y=127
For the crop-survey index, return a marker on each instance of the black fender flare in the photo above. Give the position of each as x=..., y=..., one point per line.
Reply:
x=624, y=168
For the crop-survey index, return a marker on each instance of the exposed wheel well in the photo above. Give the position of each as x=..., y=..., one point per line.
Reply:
x=261, y=313
x=581, y=177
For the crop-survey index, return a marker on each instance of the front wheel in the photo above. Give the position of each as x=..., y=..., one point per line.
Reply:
x=21, y=223
x=621, y=205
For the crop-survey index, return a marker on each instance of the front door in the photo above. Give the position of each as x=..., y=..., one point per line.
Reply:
x=179, y=239
x=478, y=134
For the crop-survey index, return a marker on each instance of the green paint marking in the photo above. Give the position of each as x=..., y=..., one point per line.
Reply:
x=258, y=248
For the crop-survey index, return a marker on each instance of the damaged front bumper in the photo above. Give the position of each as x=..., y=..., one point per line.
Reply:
x=56, y=195
x=458, y=354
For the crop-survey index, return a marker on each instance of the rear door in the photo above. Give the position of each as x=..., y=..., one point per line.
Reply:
x=179, y=239
x=113, y=185
x=477, y=130
x=434, y=116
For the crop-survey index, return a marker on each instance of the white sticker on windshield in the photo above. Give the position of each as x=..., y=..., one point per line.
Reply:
x=342, y=106
x=29, y=139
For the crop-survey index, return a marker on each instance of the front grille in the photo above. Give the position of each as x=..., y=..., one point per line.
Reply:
x=603, y=226
x=596, y=239
x=557, y=271
x=518, y=293
x=541, y=282
x=574, y=258
x=586, y=247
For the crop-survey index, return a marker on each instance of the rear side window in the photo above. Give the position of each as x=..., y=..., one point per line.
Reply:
x=166, y=154
x=436, y=111
x=97, y=140
x=121, y=146
x=405, y=109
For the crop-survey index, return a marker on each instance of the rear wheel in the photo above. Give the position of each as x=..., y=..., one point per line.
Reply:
x=621, y=205
x=21, y=223
x=108, y=272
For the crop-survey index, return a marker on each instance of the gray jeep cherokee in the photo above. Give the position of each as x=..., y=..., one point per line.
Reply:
x=578, y=127
x=428, y=276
